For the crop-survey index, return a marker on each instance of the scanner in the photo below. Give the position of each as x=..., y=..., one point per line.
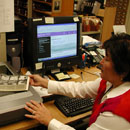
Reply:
x=12, y=103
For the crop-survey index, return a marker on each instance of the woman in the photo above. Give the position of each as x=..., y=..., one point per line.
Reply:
x=112, y=91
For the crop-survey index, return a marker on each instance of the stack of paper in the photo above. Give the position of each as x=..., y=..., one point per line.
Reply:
x=88, y=41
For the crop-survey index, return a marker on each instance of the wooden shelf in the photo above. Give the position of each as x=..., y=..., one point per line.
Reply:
x=43, y=12
x=21, y=15
x=20, y=5
x=91, y=32
x=33, y=8
x=108, y=16
x=43, y=2
x=65, y=7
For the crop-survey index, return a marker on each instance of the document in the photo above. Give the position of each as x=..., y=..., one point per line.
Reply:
x=6, y=15
x=14, y=82
x=87, y=41
x=119, y=29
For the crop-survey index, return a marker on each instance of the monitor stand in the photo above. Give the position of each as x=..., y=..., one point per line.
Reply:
x=60, y=74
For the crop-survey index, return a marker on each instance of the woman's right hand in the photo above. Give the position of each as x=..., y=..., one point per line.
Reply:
x=37, y=80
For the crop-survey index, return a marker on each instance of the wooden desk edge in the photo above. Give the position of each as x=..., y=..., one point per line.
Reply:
x=28, y=123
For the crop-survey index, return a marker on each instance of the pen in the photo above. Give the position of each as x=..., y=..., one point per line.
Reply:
x=82, y=75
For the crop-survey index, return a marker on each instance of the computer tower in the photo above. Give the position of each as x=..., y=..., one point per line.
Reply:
x=14, y=45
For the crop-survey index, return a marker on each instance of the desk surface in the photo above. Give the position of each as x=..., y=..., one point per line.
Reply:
x=26, y=124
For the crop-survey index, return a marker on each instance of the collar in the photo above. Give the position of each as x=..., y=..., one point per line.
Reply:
x=116, y=91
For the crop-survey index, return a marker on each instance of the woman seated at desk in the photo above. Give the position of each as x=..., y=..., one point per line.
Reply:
x=112, y=91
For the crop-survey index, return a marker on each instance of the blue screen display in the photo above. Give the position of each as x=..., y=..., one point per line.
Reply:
x=56, y=41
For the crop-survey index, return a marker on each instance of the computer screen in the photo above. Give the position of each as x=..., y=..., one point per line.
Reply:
x=57, y=41
x=55, y=45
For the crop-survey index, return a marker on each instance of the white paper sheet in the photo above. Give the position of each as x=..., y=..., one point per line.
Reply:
x=119, y=29
x=6, y=15
x=87, y=40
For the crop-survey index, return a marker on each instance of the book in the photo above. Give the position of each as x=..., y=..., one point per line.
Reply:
x=14, y=82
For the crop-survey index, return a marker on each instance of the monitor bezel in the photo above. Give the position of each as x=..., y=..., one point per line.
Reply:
x=55, y=63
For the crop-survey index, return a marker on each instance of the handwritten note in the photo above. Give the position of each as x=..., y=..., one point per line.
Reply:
x=6, y=15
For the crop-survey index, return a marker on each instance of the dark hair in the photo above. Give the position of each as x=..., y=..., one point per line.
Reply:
x=119, y=48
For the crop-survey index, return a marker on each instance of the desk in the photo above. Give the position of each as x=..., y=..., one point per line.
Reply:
x=28, y=123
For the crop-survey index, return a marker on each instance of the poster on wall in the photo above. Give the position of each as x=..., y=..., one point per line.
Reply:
x=6, y=15
x=57, y=5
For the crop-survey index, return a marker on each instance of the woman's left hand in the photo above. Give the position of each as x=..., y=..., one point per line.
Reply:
x=39, y=112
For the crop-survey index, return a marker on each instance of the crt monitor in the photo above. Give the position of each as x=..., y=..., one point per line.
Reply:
x=52, y=42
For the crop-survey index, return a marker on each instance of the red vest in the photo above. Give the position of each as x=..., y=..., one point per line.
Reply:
x=119, y=105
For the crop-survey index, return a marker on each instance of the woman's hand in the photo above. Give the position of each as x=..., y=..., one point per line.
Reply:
x=39, y=112
x=37, y=80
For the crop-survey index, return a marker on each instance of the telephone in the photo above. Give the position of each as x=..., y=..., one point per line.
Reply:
x=97, y=57
x=95, y=54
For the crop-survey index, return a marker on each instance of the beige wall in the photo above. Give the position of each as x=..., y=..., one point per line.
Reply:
x=2, y=47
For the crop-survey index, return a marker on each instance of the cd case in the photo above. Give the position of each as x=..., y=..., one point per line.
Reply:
x=14, y=82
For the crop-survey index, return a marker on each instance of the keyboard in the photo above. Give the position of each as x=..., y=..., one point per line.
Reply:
x=73, y=106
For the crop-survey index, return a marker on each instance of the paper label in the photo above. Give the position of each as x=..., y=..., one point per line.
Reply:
x=76, y=19
x=49, y=20
x=38, y=66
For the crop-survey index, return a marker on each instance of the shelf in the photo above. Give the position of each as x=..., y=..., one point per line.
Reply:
x=108, y=17
x=23, y=6
x=21, y=15
x=36, y=8
x=43, y=12
x=43, y=2
x=91, y=32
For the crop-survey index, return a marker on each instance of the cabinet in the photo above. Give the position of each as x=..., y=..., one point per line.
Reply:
x=53, y=7
x=39, y=8
x=23, y=8
x=91, y=25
